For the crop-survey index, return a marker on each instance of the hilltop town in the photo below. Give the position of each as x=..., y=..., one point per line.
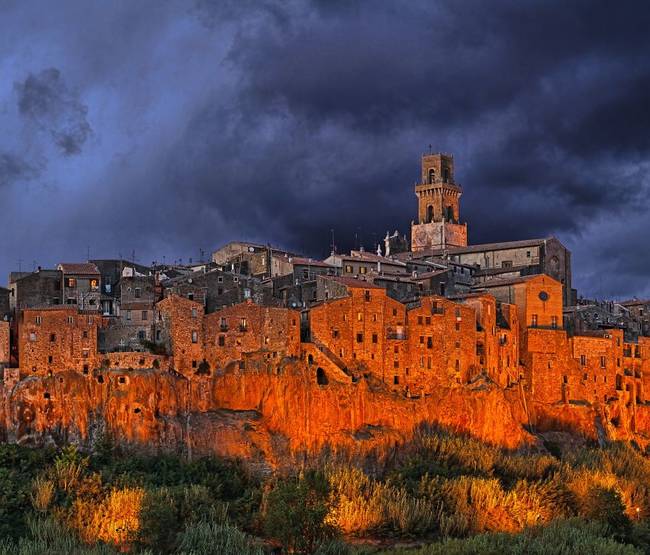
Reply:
x=262, y=352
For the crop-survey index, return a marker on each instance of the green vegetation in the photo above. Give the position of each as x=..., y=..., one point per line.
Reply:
x=443, y=493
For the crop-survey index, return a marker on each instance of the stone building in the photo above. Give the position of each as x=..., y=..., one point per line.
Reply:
x=57, y=338
x=200, y=344
x=263, y=261
x=639, y=311
x=438, y=235
x=438, y=225
x=5, y=344
x=359, y=263
x=112, y=271
x=591, y=315
x=217, y=289
x=81, y=285
x=130, y=326
x=5, y=308
x=39, y=288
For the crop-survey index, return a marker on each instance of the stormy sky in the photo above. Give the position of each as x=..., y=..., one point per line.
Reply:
x=160, y=129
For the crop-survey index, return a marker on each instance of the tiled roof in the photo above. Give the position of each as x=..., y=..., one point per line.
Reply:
x=497, y=282
x=296, y=260
x=352, y=283
x=79, y=268
x=427, y=275
x=476, y=248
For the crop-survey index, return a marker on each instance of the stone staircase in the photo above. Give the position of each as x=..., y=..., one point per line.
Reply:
x=317, y=355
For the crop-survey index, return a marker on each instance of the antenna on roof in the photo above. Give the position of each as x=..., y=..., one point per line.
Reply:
x=332, y=245
x=430, y=149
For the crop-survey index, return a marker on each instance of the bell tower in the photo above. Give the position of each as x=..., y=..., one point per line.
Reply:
x=438, y=225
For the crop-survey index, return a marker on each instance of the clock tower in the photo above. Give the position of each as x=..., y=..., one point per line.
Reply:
x=438, y=225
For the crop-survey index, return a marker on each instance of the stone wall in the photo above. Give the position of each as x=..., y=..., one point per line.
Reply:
x=5, y=354
x=56, y=339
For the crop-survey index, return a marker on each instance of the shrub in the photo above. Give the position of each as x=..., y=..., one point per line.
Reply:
x=295, y=513
x=216, y=538
x=42, y=493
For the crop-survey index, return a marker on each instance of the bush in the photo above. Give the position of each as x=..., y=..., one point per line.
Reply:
x=559, y=538
x=216, y=538
x=295, y=513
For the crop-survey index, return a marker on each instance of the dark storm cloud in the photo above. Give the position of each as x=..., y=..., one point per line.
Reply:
x=45, y=100
x=278, y=121
x=14, y=169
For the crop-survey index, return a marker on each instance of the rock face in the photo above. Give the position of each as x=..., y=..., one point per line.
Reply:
x=263, y=417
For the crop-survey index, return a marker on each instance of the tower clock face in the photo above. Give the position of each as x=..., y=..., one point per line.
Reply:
x=543, y=295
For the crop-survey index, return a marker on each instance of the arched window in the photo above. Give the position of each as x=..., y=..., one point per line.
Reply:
x=429, y=214
x=432, y=175
x=445, y=174
x=321, y=378
x=449, y=214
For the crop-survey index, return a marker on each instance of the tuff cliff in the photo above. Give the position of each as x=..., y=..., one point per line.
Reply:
x=263, y=417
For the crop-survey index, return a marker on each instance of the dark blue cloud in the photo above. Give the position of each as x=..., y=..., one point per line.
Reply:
x=167, y=128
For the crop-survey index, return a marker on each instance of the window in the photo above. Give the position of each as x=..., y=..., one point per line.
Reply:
x=158, y=335
x=457, y=326
x=534, y=321
x=429, y=342
x=583, y=360
x=52, y=337
x=195, y=337
x=243, y=324
x=366, y=295
x=128, y=314
x=420, y=320
x=602, y=362
x=71, y=282
x=396, y=349
x=32, y=336
x=247, y=293
x=85, y=334
x=394, y=312
x=428, y=320
x=190, y=296
x=50, y=359
x=396, y=380
x=194, y=313
x=335, y=334
x=554, y=322
x=142, y=335
x=374, y=338
x=422, y=340
x=359, y=316
x=221, y=341
x=70, y=320
x=145, y=315
x=363, y=270
x=527, y=254
x=359, y=338
x=138, y=293
x=348, y=269
x=39, y=320
x=506, y=264
x=396, y=364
